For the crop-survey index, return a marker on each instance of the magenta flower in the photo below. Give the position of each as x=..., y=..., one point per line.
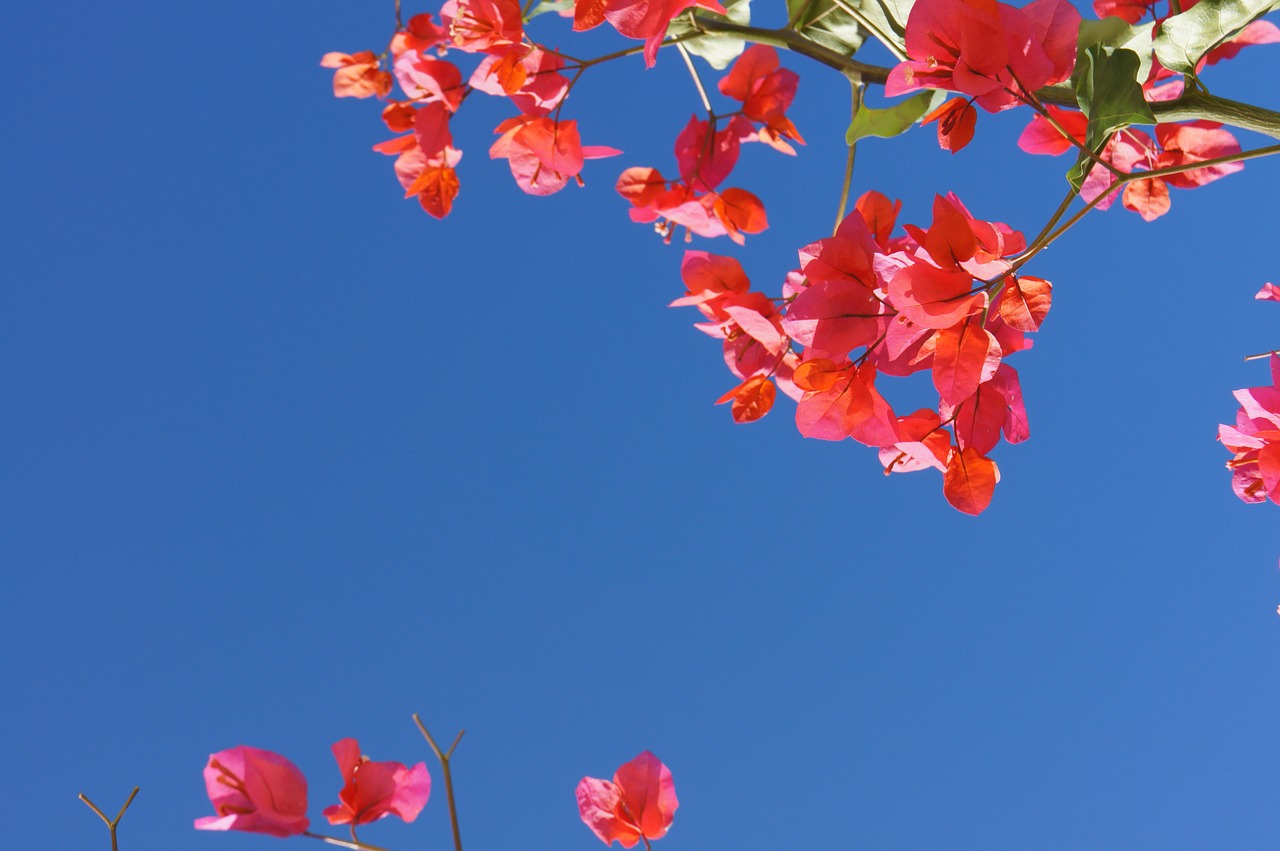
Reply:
x=255, y=790
x=639, y=804
x=1255, y=441
x=376, y=790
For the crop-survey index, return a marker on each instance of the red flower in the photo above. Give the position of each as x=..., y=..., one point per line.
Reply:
x=1255, y=440
x=357, y=75
x=988, y=50
x=255, y=791
x=956, y=121
x=639, y=803
x=376, y=790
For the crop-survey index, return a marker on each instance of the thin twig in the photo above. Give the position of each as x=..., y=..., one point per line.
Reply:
x=856, y=98
x=111, y=824
x=343, y=843
x=448, y=776
x=697, y=80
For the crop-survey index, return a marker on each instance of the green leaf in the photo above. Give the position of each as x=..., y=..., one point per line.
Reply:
x=718, y=50
x=831, y=24
x=1187, y=37
x=1108, y=91
x=545, y=6
x=1117, y=33
x=828, y=25
x=894, y=120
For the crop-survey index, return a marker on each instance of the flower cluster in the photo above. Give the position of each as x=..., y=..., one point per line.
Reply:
x=262, y=792
x=945, y=299
x=706, y=153
x=543, y=151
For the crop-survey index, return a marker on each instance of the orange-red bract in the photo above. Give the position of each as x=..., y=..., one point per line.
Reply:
x=957, y=120
x=357, y=75
x=817, y=375
x=752, y=399
x=880, y=214
x=963, y=356
x=970, y=481
x=740, y=212
x=1148, y=198
x=1025, y=301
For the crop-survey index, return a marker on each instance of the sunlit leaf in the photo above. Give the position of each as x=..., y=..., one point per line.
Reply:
x=1187, y=37
x=719, y=50
x=894, y=120
x=1109, y=92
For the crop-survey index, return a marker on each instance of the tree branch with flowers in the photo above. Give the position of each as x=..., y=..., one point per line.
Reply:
x=1125, y=95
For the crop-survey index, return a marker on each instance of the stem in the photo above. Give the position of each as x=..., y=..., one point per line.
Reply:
x=848, y=163
x=1229, y=158
x=1042, y=242
x=697, y=80
x=111, y=823
x=342, y=843
x=448, y=776
x=1034, y=245
x=622, y=54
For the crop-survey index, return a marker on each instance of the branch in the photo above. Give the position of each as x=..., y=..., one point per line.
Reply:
x=111, y=824
x=1191, y=106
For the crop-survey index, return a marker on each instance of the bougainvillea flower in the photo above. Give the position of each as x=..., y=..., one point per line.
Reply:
x=256, y=791
x=543, y=154
x=986, y=50
x=425, y=79
x=956, y=122
x=357, y=75
x=421, y=33
x=1041, y=137
x=1127, y=149
x=643, y=19
x=483, y=26
x=707, y=279
x=852, y=407
x=1192, y=142
x=639, y=803
x=528, y=76
x=880, y=215
x=752, y=399
x=1175, y=145
x=431, y=179
x=923, y=442
x=970, y=481
x=375, y=790
x=704, y=163
x=1255, y=440
x=766, y=90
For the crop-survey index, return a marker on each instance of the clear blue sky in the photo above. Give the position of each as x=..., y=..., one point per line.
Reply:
x=284, y=460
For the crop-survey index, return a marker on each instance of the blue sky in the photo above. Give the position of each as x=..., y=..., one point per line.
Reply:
x=284, y=460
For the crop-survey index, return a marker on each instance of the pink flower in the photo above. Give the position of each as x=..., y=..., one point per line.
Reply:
x=639, y=803
x=1255, y=441
x=986, y=49
x=255, y=790
x=375, y=790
